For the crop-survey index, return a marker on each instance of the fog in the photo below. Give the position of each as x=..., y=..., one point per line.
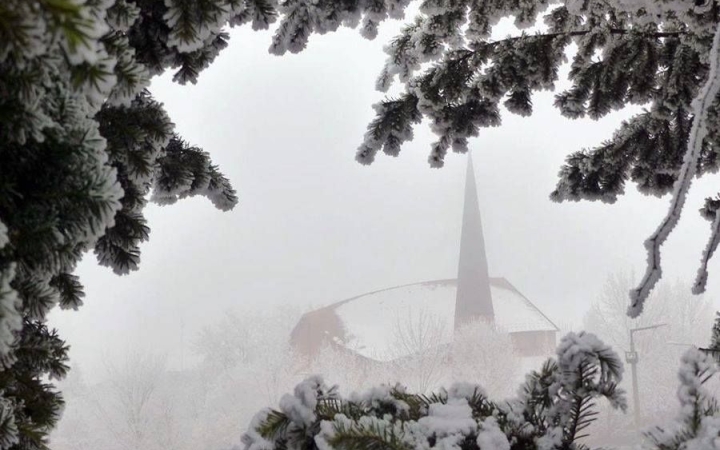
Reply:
x=314, y=227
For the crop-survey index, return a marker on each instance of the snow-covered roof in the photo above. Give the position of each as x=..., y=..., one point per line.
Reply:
x=369, y=324
x=372, y=324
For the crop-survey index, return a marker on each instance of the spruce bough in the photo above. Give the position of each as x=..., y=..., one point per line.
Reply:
x=84, y=147
x=552, y=410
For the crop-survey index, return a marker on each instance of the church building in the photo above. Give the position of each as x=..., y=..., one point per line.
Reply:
x=364, y=324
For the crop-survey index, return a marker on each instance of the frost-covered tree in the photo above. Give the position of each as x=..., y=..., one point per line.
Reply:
x=688, y=318
x=247, y=361
x=130, y=415
x=84, y=146
x=688, y=321
x=425, y=355
x=552, y=409
x=481, y=353
x=418, y=355
x=137, y=404
x=660, y=54
x=351, y=371
x=227, y=342
x=697, y=424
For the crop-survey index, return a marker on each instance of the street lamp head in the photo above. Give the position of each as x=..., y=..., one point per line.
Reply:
x=649, y=327
x=681, y=344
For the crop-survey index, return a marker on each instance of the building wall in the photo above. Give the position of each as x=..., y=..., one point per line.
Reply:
x=534, y=343
x=314, y=330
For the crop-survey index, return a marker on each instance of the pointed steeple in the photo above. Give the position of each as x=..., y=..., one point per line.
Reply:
x=473, y=299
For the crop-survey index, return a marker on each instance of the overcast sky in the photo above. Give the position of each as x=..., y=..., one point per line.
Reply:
x=314, y=227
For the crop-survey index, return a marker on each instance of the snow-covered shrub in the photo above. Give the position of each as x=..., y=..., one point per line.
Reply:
x=551, y=410
x=697, y=425
x=482, y=353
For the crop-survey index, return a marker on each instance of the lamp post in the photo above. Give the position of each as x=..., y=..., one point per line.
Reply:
x=631, y=358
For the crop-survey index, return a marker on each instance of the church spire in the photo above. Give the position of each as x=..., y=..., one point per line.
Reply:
x=473, y=299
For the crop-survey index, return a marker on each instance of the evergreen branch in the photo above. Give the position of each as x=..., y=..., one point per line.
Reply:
x=580, y=417
x=274, y=425
x=484, y=46
x=701, y=106
x=70, y=289
x=481, y=406
x=711, y=246
x=577, y=33
x=416, y=403
x=365, y=437
x=328, y=408
x=433, y=398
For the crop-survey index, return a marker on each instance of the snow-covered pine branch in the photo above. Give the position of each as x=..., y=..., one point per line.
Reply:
x=708, y=252
x=84, y=144
x=628, y=52
x=551, y=410
x=649, y=53
x=698, y=132
x=697, y=423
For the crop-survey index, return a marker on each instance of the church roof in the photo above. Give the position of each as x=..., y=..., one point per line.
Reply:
x=370, y=324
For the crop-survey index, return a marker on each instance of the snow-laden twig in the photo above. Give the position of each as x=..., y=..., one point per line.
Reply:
x=700, y=107
x=702, y=275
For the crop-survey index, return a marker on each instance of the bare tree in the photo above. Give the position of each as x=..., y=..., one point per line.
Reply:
x=349, y=370
x=484, y=355
x=226, y=343
x=248, y=362
x=427, y=353
x=689, y=321
x=419, y=352
x=128, y=405
x=73, y=431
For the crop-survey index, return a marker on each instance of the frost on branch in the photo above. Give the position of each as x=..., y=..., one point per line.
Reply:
x=82, y=147
x=10, y=319
x=9, y=435
x=701, y=107
x=186, y=171
x=697, y=425
x=300, y=19
x=3, y=235
x=551, y=410
x=708, y=252
x=391, y=129
x=450, y=72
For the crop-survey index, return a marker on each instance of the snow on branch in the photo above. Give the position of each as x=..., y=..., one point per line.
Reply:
x=702, y=275
x=550, y=412
x=10, y=318
x=700, y=107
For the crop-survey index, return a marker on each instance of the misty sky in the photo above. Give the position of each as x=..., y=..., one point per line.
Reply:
x=314, y=227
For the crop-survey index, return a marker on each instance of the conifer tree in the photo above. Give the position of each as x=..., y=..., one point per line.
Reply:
x=697, y=424
x=84, y=145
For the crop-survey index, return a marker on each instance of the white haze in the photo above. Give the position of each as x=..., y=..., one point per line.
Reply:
x=314, y=227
